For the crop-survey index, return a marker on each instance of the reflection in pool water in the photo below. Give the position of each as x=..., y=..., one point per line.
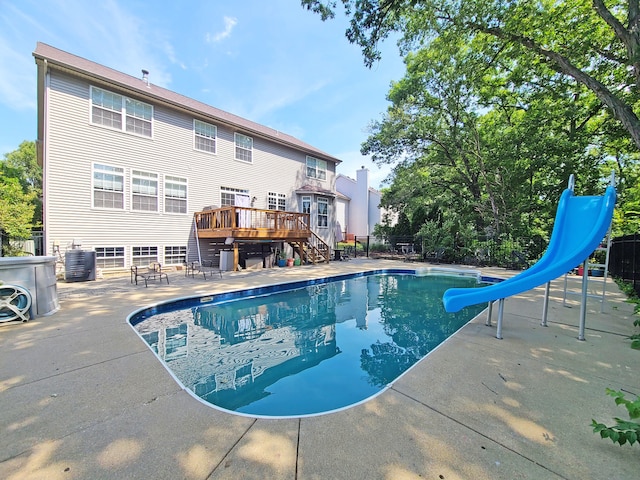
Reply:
x=309, y=350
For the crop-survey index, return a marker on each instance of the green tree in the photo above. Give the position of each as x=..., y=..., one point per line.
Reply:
x=595, y=44
x=493, y=157
x=20, y=194
x=23, y=165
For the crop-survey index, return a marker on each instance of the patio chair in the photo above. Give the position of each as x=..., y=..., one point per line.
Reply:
x=208, y=267
x=152, y=272
x=435, y=256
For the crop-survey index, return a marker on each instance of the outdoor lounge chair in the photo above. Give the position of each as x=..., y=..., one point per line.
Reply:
x=206, y=267
x=152, y=272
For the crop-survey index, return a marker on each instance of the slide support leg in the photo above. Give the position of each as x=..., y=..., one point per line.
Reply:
x=500, y=313
x=489, y=311
x=545, y=305
x=583, y=302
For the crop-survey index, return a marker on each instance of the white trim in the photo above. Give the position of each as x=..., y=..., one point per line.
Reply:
x=316, y=168
x=123, y=113
x=164, y=254
x=157, y=258
x=123, y=257
x=318, y=201
x=93, y=187
x=234, y=191
x=178, y=180
x=276, y=197
x=214, y=138
x=132, y=193
x=235, y=147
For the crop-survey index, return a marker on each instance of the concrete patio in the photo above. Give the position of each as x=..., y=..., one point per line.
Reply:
x=82, y=397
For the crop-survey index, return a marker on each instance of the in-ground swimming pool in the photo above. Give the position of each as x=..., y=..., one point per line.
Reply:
x=305, y=348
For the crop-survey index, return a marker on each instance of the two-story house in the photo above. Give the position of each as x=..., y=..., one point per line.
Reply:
x=142, y=174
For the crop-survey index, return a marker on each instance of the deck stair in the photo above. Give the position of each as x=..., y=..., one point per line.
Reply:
x=233, y=225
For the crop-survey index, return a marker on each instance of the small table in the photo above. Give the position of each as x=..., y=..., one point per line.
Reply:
x=337, y=254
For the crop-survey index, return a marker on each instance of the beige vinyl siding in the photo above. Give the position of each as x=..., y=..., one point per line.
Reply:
x=74, y=144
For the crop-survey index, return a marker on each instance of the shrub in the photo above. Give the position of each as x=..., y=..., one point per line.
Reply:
x=623, y=431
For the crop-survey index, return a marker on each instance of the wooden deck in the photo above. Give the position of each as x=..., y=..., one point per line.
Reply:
x=243, y=223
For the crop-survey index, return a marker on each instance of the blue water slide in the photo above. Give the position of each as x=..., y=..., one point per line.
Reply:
x=581, y=224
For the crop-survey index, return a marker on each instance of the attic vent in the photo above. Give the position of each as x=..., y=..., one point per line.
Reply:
x=145, y=76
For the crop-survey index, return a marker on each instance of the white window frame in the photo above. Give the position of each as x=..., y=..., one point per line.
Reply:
x=107, y=184
x=243, y=148
x=230, y=191
x=306, y=202
x=319, y=215
x=172, y=194
x=135, y=117
x=146, y=255
x=316, y=168
x=204, y=136
x=142, y=186
x=276, y=201
x=175, y=254
x=110, y=257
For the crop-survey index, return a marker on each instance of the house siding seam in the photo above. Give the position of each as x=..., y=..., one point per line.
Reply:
x=104, y=76
x=74, y=144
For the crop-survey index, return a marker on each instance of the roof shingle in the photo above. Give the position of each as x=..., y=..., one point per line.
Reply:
x=61, y=59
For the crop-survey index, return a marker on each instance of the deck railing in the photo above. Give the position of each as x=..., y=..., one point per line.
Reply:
x=248, y=222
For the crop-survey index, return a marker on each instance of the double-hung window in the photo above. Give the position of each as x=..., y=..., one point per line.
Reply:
x=323, y=212
x=108, y=186
x=138, y=117
x=205, y=136
x=144, y=191
x=276, y=201
x=316, y=168
x=175, y=194
x=108, y=109
x=244, y=147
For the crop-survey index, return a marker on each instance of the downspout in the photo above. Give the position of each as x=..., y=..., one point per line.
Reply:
x=42, y=145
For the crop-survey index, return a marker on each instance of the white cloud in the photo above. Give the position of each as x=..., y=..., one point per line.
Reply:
x=279, y=91
x=229, y=23
x=17, y=82
x=104, y=32
x=171, y=55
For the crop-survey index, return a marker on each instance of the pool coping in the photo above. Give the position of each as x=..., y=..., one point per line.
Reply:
x=266, y=289
x=82, y=398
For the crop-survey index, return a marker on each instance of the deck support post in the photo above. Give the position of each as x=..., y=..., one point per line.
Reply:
x=236, y=256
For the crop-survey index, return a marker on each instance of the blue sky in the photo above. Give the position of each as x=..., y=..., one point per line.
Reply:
x=270, y=61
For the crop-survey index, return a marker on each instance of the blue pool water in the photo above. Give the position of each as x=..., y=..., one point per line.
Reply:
x=302, y=351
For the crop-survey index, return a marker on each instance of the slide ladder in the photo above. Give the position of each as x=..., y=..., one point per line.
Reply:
x=590, y=269
x=581, y=224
